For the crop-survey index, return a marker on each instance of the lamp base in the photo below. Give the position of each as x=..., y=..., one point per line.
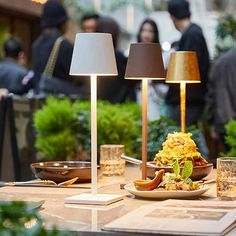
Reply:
x=94, y=199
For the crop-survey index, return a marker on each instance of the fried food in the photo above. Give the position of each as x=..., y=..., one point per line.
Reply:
x=179, y=146
x=148, y=185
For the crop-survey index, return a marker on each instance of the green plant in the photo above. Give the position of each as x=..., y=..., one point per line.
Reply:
x=56, y=125
x=117, y=124
x=230, y=138
x=225, y=33
x=17, y=219
x=63, y=128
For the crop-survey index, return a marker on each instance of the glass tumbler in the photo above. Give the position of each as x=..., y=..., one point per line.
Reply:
x=110, y=159
x=226, y=178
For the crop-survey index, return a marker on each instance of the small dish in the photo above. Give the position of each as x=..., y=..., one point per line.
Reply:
x=155, y=194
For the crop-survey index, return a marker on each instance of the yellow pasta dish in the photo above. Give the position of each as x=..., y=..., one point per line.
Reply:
x=179, y=147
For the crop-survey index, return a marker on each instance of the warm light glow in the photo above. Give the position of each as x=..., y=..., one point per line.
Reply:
x=39, y=1
x=94, y=132
x=165, y=46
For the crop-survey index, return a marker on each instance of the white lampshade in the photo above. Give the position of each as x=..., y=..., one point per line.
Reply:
x=93, y=54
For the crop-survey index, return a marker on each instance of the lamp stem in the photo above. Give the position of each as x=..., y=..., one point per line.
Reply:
x=183, y=106
x=144, y=127
x=94, y=132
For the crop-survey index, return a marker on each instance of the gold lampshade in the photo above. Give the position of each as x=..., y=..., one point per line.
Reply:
x=183, y=67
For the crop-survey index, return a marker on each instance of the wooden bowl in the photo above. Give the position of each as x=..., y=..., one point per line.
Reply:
x=199, y=172
x=60, y=171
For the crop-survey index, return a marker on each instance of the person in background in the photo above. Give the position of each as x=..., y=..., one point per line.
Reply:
x=221, y=96
x=54, y=23
x=13, y=75
x=192, y=39
x=115, y=89
x=148, y=33
x=89, y=23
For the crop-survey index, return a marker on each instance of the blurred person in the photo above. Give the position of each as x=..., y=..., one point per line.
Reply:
x=89, y=22
x=192, y=39
x=54, y=23
x=13, y=75
x=148, y=33
x=115, y=89
x=221, y=95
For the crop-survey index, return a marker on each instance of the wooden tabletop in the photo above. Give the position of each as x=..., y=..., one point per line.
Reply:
x=84, y=218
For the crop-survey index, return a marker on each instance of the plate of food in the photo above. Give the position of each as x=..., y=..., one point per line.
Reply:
x=168, y=185
x=180, y=147
x=166, y=194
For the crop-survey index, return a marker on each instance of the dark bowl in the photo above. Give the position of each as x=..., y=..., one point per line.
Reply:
x=60, y=171
x=199, y=172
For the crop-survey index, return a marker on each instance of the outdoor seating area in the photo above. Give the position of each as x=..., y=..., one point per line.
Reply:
x=117, y=117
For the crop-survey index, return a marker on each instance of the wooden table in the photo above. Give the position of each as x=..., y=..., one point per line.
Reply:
x=86, y=219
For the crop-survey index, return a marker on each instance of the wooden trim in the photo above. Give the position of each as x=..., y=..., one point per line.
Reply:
x=23, y=8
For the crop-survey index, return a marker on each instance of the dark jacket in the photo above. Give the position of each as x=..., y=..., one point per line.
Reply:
x=40, y=53
x=221, y=90
x=117, y=89
x=192, y=40
x=14, y=77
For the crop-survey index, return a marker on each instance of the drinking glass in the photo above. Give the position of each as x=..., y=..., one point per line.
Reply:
x=110, y=159
x=226, y=178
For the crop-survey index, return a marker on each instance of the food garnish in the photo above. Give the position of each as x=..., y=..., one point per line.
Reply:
x=181, y=148
x=179, y=180
x=148, y=185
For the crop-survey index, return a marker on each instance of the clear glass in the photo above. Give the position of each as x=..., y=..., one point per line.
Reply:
x=226, y=178
x=110, y=159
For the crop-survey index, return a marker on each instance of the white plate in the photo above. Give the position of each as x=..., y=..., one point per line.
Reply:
x=165, y=193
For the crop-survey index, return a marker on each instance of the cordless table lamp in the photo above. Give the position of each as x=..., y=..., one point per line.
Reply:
x=145, y=63
x=183, y=68
x=93, y=55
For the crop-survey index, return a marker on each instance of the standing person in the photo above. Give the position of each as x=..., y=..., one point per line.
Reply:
x=13, y=75
x=221, y=92
x=88, y=23
x=148, y=33
x=115, y=89
x=192, y=39
x=54, y=23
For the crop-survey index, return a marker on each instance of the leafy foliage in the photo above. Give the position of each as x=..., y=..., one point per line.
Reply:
x=117, y=124
x=231, y=138
x=226, y=33
x=60, y=145
x=57, y=125
x=17, y=219
x=187, y=170
x=63, y=128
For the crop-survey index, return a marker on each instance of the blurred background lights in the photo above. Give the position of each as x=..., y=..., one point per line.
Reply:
x=165, y=46
x=39, y=1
